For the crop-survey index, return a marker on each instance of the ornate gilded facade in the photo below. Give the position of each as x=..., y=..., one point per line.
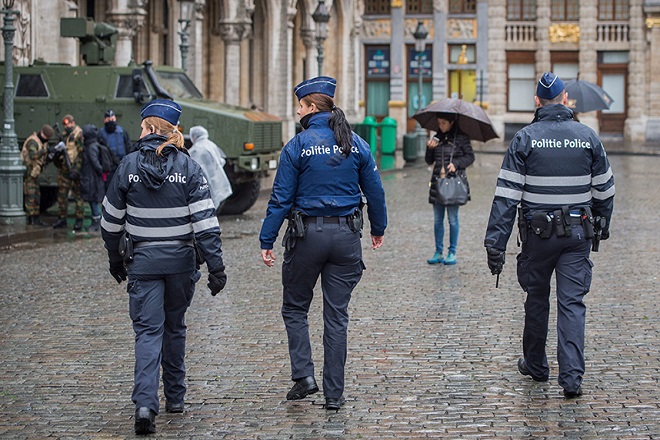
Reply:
x=252, y=52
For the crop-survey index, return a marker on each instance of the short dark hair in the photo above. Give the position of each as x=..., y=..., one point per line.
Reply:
x=556, y=100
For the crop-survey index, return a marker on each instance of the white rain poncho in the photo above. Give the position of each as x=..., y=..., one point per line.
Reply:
x=207, y=154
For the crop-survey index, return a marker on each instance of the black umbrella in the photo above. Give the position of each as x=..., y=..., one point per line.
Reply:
x=472, y=119
x=584, y=96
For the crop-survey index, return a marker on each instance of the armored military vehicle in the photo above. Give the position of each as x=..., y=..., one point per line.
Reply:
x=250, y=140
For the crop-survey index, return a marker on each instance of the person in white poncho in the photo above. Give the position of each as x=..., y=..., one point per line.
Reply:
x=209, y=156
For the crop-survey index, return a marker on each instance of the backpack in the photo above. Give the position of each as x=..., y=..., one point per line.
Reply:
x=107, y=161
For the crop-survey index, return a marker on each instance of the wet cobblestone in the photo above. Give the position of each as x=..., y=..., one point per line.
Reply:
x=432, y=349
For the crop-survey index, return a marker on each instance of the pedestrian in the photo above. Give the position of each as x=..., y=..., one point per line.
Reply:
x=92, y=188
x=209, y=156
x=318, y=186
x=156, y=210
x=557, y=170
x=68, y=174
x=34, y=156
x=116, y=139
x=449, y=151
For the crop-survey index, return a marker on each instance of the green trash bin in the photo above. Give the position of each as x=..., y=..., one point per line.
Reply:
x=410, y=147
x=388, y=135
x=371, y=137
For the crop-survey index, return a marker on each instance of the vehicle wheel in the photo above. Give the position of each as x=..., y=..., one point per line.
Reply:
x=244, y=196
x=48, y=197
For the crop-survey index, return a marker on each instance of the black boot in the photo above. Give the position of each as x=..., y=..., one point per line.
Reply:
x=77, y=226
x=60, y=223
x=95, y=226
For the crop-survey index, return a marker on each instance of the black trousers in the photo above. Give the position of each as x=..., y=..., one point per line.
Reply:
x=333, y=252
x=568, y=258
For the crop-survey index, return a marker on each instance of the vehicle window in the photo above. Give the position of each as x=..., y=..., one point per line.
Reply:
x=125, y=87
x=178, y=84
x=31, y=86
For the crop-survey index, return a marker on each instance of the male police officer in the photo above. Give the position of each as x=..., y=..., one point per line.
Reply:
x=34, y=154
x=557, y=169
x=116, y=139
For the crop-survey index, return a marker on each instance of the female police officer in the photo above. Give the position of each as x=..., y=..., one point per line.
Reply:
x=319, y=182
x=157, y=202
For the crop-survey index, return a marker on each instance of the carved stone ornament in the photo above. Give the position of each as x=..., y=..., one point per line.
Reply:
x=234, y=32
x=564, y=33
x=377, y=28
x=462, y=28
x=397, y=4
x=651, y=22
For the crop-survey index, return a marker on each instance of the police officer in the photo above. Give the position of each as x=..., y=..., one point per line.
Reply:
x=557, y=170
x=318, y=185
x=34, y=156
x=68, y=174
x=157, y=206
x=116, y=139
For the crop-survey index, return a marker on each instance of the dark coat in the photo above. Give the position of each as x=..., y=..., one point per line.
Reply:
x=92, y=188
x=463, y=156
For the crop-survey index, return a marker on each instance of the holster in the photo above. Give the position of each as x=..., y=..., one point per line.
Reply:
x=125, y=248
x=587, y=223
x=356, y=221
x=295, y=230
x=541, y=224
x=522, y=226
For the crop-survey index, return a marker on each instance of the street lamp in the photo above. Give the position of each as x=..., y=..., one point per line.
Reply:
x=11, y=166
x=185, y=16
x=321, y=17
x=420, y=44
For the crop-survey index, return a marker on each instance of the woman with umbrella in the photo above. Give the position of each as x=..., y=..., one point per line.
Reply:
x=449, y=151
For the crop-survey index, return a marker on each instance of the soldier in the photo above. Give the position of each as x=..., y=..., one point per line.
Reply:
x=68, y=174
x=557, y=170
x=33, y=154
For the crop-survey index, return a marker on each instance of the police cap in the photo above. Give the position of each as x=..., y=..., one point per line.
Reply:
x=321, y=84
x=549, y=86
x=163, y=109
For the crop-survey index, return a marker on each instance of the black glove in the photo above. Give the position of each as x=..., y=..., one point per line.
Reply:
x=495, y=260
x=118, y=271
x=217, y=280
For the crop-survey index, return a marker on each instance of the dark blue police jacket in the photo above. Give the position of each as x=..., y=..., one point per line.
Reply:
x=315, y=178
x=161, y=198
x=553, y=162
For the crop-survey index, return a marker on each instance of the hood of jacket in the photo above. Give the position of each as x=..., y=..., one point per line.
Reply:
x=90, y=133
x=153, y=169
x=553, y=112
x=198, y=132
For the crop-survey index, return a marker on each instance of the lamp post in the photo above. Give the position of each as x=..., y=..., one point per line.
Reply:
x=11, y=166
x=420, y=44
x=321, y=17
x=185, y=16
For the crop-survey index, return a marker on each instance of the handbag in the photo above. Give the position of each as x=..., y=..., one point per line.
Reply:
x=453, y=188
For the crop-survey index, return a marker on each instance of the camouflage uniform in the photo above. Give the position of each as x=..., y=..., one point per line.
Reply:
x=74, y=148
x=33, y=156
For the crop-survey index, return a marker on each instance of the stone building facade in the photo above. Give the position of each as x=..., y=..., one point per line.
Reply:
x=253, y=52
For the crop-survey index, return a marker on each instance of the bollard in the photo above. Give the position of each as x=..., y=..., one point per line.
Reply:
x=410, y=147
x=388, y=135
x=372, y=138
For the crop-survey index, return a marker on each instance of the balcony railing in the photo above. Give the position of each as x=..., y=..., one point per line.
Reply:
x=613, y=32
x=520, y=32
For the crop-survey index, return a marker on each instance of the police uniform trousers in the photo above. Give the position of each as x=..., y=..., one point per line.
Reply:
x=158, y=304
x=330, y=249
x=568, y=257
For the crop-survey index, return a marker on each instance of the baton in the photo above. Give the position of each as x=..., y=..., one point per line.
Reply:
x=497, y=281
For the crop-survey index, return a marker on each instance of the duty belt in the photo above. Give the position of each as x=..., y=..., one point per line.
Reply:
x=334, y=219
x=140, y=244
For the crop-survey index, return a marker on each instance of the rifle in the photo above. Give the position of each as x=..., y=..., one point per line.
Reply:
x=60, y=150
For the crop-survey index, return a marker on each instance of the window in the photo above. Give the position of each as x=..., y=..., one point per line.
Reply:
x=378, y=80
x=419, y=6
x=521, y=81
x=377, y=7
x=565, y=65
x=521, y=10
x=462, y=6
x=31, y=86
x=565, y=10
x=462, y=54
x=613, y=10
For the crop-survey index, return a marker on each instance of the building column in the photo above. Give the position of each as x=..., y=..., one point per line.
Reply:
x=588, y=54
x=638, y=126
x=128, y=17
x=196, y=53
x=543, y=22
x=397, y=104
x=497, y=65
x=653, y=125
x=439, y=74
x=308, y=37
x=233, y=34
x=481, y=75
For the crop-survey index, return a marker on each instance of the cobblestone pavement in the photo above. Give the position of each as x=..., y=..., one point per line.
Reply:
x=432, y=349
